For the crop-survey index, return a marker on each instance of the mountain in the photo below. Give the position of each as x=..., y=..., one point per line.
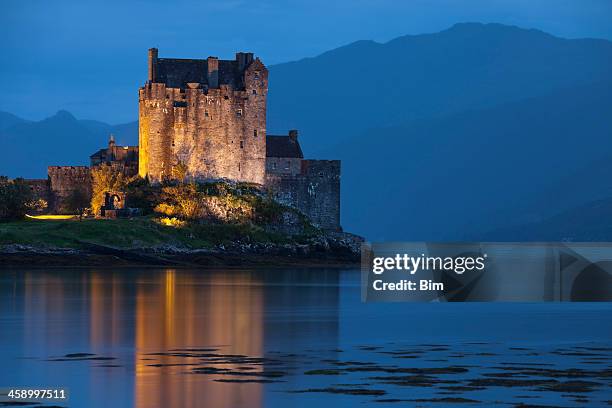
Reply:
x=462, y=134
x=58, y=140
x=563, y=193
x=585, y=223
x=339, y=94
x=457, y=176
x=8, y=119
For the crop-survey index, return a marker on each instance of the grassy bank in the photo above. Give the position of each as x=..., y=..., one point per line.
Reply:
x=124, y=233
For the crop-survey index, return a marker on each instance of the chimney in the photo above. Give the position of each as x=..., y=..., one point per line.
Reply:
x=293, y=134
x=213, y=72
x=244, y=59
x=152, y=64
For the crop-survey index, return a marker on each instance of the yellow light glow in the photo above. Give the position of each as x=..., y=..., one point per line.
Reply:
x=171, y=222
x=51, y=217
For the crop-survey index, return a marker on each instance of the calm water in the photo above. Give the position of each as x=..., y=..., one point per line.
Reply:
x=278, y=338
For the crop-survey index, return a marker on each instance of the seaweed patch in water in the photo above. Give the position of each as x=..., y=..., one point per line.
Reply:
x=347, y=391
x=411, y=380
x=223, y=371
x=249, y=380
x=571, y=386
x=323, y=372
x=74, y=355
x=449, y=400
x=89, y=357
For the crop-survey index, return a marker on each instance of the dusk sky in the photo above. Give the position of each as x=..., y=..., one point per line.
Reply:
x=90, y=57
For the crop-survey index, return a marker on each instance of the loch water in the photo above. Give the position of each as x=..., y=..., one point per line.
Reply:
x=288, y=337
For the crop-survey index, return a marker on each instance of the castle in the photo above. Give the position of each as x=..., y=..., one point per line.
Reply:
x=209, y=115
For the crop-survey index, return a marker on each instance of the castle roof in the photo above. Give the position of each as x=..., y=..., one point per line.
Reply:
x=104, y=152
x=98, y=154
x=177, y=72
x=283, y=146
x=127, y=155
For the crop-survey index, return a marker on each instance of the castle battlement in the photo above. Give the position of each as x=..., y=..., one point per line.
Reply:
x=210, y=73
x=207, y=114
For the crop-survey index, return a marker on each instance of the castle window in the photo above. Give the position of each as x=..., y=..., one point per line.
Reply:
x=206, y=113
x=254, y=132
x=242, y=144
x=239, y=113
x=274, y=166
x=254, y=91
x=238, y=166
x=288, y=164
x=225, y=97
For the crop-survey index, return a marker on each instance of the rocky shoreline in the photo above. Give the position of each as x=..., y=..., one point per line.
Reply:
x=330, y=250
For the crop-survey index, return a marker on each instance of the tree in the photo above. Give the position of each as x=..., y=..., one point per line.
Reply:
x=37, y=204
x=179, y=172
x=78, y=202
x=141, y=194
x=105, y=179
x=14, y=198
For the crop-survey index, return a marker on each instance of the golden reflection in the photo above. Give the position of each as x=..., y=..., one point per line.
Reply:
x=225, y=310
x=106, y=304
x=172, y=310
x=44, y=297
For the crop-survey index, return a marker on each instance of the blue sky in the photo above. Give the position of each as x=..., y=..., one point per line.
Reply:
x=89, y=57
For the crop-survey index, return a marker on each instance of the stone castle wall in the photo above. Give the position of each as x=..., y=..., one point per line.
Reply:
x=217, y=132
x=63, y=182
x=315, y=191
x=284, y=165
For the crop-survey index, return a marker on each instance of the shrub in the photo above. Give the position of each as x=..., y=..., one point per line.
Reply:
x=104, y=179
x=15, y=197
x=227, y=203
x=78, y=202
x=141, y=194
x=181, y=200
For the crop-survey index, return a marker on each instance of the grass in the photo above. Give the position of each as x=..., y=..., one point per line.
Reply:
x=128, y=233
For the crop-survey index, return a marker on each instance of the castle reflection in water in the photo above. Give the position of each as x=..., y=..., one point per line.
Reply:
x=132, y=313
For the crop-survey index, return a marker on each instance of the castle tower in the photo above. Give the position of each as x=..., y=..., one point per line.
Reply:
x=208, y=114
